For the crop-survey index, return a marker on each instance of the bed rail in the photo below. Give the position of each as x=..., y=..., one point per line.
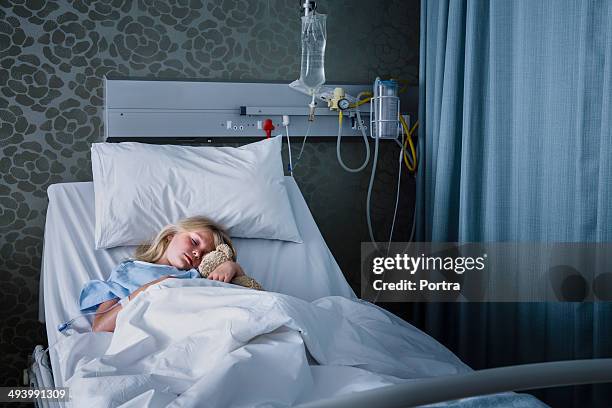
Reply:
x=481, y=382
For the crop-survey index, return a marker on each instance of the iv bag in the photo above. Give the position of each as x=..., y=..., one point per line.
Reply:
x=314, y=36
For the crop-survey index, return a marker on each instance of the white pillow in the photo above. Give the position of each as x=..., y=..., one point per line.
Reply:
x=139, y=188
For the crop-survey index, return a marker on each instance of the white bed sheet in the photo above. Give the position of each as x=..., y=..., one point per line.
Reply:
x=358, y=345
x=235, y=347
x=307, y=271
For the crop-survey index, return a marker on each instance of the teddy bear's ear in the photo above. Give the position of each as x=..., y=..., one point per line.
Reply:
x=227, y=251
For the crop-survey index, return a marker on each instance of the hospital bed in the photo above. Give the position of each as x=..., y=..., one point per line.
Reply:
x=69, y=260
x=306, y=271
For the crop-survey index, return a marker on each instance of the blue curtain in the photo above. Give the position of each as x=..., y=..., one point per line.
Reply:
x=515, y=144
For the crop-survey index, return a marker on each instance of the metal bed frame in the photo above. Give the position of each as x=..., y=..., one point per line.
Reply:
x=481, y=382
x=425, y=391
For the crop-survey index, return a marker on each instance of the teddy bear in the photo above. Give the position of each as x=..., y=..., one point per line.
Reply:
x=221, y=254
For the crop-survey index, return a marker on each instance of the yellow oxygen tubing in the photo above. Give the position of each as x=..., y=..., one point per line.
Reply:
x=411, y=162
x=362, y=101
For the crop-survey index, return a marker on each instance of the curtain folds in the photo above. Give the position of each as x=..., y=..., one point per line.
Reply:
x=515, y=144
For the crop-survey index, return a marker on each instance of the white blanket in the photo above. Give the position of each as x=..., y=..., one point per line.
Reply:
x=189, y=343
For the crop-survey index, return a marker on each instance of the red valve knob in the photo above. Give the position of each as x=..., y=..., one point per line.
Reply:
x=268, y=127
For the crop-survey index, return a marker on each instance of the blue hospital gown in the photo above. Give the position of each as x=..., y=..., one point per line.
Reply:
x=126, y=278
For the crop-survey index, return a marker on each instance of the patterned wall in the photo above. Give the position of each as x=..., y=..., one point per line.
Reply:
x=54, y=54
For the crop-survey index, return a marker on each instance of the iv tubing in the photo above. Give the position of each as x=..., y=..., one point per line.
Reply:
x=373, y=175
x=302, y=148
x=365, y=140
x=67, y=325
x=399, y=178
x=289, y=150
x=369, y=198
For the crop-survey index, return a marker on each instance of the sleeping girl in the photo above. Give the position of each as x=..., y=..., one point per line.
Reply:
x=176, y=252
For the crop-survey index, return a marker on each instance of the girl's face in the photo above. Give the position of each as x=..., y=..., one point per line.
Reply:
x=186, y=249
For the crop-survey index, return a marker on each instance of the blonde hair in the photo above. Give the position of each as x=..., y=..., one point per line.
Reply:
x=153, y=251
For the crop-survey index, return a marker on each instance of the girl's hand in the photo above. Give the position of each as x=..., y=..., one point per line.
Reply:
x=226, y=272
